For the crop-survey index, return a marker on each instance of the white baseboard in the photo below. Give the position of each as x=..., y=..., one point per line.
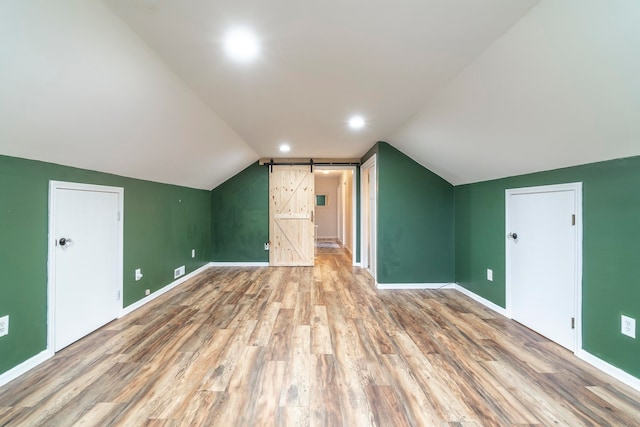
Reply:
x=25, y=366
x=600, y=364
x=594, y=361
x=609, y=369
x=493, y=306
x=136, y=305
x=45, y=355
x=238, y=264
x=415, y=285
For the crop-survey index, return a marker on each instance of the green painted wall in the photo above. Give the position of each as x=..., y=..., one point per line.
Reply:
x=240, y=217
x=162, y=223
x=611, y=234
x=415, y=220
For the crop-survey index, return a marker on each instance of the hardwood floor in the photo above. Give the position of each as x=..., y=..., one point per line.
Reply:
x=314, y=346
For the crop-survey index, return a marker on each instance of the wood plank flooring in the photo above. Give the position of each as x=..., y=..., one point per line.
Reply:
x=314, y=346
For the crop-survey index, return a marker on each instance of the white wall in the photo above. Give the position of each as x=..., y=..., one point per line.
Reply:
x=560, y=88
x=327, y=216
x=79, y=88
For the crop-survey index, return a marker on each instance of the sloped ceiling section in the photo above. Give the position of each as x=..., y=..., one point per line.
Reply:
x=473, y=90
x=79, y=88
x=561, y=88
x=320, y=62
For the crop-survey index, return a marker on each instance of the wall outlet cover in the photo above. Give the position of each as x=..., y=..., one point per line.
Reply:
x=178, y=272
x=489, y=274
x=4, y=325
x=147, y=291
x=193, y=253
x=628, y=326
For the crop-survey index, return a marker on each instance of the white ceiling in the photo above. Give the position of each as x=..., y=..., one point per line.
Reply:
x=561, y=88
x=471, y=89
x=321, y=62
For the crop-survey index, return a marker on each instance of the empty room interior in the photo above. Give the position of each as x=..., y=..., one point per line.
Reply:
x=352, y=213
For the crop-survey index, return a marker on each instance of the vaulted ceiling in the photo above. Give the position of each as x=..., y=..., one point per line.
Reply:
x=471, y=89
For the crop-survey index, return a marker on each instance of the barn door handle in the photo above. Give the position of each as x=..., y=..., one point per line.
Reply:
x=513, y=236
x=311, y=216
x=64, y=240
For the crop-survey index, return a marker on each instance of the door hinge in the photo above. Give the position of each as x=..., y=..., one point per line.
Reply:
x=118, y=296
x=573, y=219
x=118, y=219
x=573, y=323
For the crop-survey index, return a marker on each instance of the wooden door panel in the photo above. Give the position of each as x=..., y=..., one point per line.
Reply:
x=291, y=204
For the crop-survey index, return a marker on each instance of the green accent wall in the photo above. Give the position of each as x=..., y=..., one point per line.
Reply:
x=415, y=220
x=611, y=235
x=162, y=223
x=240, y=217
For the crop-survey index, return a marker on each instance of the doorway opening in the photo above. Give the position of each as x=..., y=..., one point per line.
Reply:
x=335, y=213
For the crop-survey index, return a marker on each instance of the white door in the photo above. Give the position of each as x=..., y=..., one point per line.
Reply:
x=542, y=260
x=86, y=254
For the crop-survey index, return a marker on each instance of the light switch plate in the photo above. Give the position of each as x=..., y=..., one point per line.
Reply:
x=489, y=274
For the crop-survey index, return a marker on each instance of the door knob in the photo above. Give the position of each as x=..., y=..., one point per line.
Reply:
x=513, y=236
x=64, y=240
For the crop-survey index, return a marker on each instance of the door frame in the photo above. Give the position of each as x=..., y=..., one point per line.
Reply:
x=368, y=217
x=576, y=187
x=51, y=238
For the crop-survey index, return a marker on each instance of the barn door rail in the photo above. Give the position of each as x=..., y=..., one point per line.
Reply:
x=310, y=162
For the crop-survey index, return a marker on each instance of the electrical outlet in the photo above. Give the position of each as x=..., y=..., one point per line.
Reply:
x=178, y=272
x=193, y=253
x=266, y=246
x=489, y=274
x=138, y=274
x=628, y=326
x=4, y=325
x=147, y=291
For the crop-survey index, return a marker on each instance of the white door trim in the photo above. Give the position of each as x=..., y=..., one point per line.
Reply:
x=371, y=216
x=576, y=187
x=51, y=269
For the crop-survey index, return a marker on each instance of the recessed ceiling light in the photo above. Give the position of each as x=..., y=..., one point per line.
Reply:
x=241, y=44
x=285, y=148
x=356, y=122
x=325, y=172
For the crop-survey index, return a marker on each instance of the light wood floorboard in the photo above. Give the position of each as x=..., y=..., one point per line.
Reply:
x=314, y=346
